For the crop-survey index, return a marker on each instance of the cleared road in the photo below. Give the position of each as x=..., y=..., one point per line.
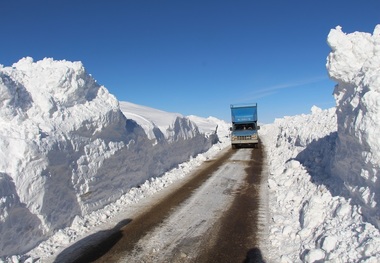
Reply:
x=212, y=217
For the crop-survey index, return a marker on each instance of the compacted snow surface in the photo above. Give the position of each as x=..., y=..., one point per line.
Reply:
x=73, y=158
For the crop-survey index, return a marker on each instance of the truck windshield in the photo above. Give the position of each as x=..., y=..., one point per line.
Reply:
x=246, y=126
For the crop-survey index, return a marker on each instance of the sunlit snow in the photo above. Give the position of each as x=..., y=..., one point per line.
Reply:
x=73, y=158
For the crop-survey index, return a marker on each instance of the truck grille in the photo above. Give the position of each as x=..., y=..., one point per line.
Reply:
x=244, y=137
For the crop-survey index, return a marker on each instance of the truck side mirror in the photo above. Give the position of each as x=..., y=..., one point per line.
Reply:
x=230, y=128
x=258, y=127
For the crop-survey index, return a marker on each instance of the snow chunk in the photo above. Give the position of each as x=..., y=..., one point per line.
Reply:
x=315, y=255
x=329, y=243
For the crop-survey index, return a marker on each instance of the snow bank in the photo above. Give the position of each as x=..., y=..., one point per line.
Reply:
x=354, y=64
x=52, y=115
x=323, y=185
x=110, y=215
x=67, y=150
x=159, y=124
x=311, y=220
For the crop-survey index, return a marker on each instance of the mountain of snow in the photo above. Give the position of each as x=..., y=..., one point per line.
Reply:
x=67, y=149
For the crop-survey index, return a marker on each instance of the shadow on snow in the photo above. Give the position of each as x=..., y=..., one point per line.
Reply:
x=317, y=158
x=93, y=246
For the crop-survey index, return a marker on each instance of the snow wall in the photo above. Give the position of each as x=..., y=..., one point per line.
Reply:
x=66, y=149
x=323, y=186
x=354, y=63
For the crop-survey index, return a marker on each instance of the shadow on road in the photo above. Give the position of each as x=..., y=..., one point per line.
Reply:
x=254, y=256
x=93, y=246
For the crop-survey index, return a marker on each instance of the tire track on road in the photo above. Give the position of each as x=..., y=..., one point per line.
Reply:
x=235, y=237
x=129, y=235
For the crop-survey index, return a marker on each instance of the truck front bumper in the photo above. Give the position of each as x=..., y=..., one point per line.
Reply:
x=245, y=142
x=246, y=139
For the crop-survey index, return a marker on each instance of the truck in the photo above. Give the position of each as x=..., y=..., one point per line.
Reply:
x=244, y=130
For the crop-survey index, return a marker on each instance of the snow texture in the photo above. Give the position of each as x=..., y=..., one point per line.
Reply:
x=322, y=188
x=324, y=167
x=67, y=149
x=354, y=64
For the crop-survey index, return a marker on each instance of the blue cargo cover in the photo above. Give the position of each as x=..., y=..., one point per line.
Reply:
x=244, y=113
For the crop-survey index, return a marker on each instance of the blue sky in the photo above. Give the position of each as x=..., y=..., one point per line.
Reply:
x=192, y=57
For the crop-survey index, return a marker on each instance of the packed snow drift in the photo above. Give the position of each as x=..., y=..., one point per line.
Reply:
x=67, y=149
x=354, y=64
x=71, y=159
x=324, y=167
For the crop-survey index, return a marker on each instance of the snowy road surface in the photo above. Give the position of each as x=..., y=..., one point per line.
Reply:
x=210, y=217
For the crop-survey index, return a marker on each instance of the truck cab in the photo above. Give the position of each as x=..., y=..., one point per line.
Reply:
x=244, y=130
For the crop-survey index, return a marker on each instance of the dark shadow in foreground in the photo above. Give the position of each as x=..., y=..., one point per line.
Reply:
x=93, y=246
x=254, y=256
